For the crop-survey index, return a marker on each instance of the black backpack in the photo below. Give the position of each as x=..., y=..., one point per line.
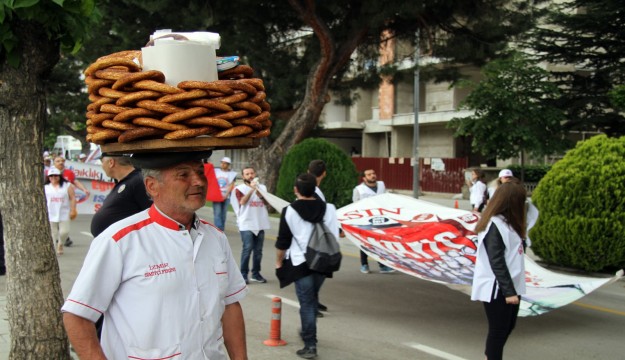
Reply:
x=323, y=253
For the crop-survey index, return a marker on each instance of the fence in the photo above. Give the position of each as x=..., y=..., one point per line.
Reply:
x=437, y=175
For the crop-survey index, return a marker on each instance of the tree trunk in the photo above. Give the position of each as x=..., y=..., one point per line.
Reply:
x=34, y=294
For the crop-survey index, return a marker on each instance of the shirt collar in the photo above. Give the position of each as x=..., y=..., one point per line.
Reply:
x=160, y=218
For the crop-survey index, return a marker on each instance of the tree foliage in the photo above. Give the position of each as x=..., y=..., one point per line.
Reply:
x=582, y=207
x=341, y=177
x=584, y=40
x=513, y=111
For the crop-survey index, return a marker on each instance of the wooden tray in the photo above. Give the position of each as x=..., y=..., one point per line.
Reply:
x=193, y=144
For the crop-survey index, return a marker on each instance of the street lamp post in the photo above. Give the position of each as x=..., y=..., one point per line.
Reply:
x=415, y=132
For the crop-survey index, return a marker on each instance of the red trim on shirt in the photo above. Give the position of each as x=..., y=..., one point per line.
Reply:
x=234, y=293
x=155, y=216
x=85, y=305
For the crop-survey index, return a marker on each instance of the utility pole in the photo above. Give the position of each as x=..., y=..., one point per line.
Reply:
x=415, y=131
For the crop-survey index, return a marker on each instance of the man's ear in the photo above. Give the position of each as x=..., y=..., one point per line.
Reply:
x=151, y=186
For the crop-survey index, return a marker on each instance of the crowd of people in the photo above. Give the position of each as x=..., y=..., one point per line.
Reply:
x=156, y=196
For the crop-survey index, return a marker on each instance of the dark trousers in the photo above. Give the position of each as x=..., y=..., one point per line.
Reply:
x=501, y=320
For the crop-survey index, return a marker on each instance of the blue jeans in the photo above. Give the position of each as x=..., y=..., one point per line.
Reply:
x=220, y=210
x=307, y=291
x=251, y=243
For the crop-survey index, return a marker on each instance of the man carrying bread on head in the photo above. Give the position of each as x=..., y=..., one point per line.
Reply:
x=164, y=279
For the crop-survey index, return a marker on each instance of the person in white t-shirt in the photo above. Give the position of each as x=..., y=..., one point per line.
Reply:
x=477, y=190
x=225, y=179
x=252, y=220
x=369, y=187
x=164, y=279
x=61, y=201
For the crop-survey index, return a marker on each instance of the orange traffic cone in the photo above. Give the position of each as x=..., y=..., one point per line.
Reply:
x=276, y=323
x=456, y=204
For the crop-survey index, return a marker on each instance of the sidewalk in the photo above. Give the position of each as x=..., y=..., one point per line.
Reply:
x=71, y=262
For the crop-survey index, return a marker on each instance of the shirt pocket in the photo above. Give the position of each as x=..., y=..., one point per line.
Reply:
x=221, y=273
x=169, y=352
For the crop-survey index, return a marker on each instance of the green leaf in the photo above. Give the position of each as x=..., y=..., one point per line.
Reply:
x=24, y=3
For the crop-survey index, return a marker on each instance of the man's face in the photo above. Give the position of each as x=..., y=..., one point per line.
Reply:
x=59, y=163
x=370, y=177
x=181, y=188
x=249, y=174
x=224, y=166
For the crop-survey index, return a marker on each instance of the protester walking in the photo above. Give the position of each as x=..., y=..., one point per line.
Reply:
x=296, y=227
x=504, y=176
x=369, y=187
x=164, y=279
x=61, y=201
x=477, y=190
x=252, y=220
x=499, y=275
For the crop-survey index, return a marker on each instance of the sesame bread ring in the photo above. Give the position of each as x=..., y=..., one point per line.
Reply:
x=94, y=97
x=260, y=96
x=111, y=74
x=262, y=117
x=187, y=95
x=126, y=54
x=97, y=119
x=107, y=134
x=232, y=115
x=189, y=133
x=92, y=129
x=209, y=104
x=265, y=106
x=185, y=114
x=244, y=70
x=88, y=137
x=114, y=61
x=234, y=131
x=110, y=108
x=266, y=124
x=155, y=123
x=156, y=86
x=249, y=122
x=140, y=133
x=259, y=134
x=255, y=82
x=135, y=113
x=234, y=98
x=160, y=107
x=108, y=92
x=238, y=85
x=95, y=106
x=133, y=97
x=95, y=84
x=209, y=121
x=215, y=86
x=116, y=125
x=138, y=76
x=249, y=106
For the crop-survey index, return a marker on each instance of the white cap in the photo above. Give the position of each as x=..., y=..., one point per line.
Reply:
x=505, y=173
x=226, y=160
x=45, y=153
x=54, y=171
x=82, y=156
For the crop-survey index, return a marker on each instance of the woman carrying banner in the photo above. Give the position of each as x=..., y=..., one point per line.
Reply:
x=499, y=276
x=61, y=201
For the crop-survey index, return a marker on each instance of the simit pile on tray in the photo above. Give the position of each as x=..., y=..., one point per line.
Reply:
x=129, y=104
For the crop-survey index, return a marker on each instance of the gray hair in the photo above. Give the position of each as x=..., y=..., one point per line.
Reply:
x=154, y=173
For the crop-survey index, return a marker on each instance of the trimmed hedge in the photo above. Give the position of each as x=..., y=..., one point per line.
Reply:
x=582, y=207
x=341, y=177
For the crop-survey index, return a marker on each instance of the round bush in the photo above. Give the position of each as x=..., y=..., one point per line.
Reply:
x=582, y=207
x=341, y=177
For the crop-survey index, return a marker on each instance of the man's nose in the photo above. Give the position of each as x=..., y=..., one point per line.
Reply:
x=198, y=179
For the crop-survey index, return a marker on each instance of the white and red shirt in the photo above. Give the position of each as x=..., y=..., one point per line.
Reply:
x=161, y=288
x=253, y=216
x=224, y=179
x=58, y=202
x=363, y=191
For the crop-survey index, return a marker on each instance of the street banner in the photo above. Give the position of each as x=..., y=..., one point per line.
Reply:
x=95, y=180
x=437, y=243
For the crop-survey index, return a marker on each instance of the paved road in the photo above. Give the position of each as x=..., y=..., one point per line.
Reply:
x=395, y=316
